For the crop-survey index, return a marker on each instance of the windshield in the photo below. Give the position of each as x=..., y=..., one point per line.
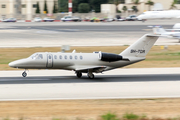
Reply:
x=36, y=56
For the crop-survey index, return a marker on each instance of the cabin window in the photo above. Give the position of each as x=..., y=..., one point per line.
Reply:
x=65, y=57
x=55, y=57
x=70, y=57
x=49, y=57
x=81, y=57
x=75, y=57
x=60, y=57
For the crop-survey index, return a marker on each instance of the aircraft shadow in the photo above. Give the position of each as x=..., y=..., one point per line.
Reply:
x=85, y=79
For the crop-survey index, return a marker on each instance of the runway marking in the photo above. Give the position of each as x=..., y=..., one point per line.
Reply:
x=147, y=29
x=91, y=98
x=47, y=32
x=21, y=79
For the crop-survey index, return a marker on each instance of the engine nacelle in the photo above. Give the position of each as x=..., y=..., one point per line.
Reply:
x=109, y=57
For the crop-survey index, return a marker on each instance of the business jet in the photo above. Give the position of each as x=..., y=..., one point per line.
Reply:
x=96, y=62
x=168, y=33
x=159, y=14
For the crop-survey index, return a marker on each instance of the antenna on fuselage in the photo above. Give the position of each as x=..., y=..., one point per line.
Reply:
x=74, y=51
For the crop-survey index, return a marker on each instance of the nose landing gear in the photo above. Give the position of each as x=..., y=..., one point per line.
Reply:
x=79, y=74
x=24, y=74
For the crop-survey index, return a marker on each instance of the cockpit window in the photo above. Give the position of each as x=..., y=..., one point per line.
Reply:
x=40, y=56
x=37, y=56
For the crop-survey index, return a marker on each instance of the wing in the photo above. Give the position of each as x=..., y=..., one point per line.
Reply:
x=96, y=69
x=173, y=30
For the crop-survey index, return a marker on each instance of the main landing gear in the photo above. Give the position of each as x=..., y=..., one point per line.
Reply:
x=89, y=74
x=24, y=74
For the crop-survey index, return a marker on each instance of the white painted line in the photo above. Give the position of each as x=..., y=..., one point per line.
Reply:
x=91, y=98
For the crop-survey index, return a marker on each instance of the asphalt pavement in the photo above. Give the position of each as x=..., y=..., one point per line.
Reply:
x=119, y=83
x=103, y=87
x=79, y=34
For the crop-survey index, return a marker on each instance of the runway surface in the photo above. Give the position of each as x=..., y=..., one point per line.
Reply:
x=84, y=28
x=146, y=84
x=76, y=34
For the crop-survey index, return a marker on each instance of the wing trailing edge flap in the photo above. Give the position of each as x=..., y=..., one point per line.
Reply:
x=97, y=69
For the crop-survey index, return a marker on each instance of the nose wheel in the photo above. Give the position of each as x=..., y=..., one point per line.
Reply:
x=24, y=74
x=79, y=74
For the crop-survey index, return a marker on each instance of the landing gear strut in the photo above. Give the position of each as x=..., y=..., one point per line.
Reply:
x=79, y=74
x=90, y=74
x=24, y=74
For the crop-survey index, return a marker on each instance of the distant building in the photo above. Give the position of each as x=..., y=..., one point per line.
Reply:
x=109, y=9
x=13, y=8
x=142, y=6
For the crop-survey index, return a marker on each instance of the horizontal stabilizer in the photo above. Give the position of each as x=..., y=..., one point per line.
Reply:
x=150, y=35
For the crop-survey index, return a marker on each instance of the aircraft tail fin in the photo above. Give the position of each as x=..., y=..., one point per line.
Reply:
x=158, y=30
x=141, y=47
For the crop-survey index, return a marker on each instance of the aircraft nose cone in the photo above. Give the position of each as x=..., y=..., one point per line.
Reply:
x=12, y=64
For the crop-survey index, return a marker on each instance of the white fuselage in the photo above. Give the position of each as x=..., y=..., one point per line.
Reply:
x=159, y=14
x=68, y=61
x=171, y=34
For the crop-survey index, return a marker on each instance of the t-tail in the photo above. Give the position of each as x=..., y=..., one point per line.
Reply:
x=140, y=48
x=158, y=30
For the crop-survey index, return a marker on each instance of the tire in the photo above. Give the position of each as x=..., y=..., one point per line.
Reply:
x=79, y=74
x=24, y=74
x=91, y=76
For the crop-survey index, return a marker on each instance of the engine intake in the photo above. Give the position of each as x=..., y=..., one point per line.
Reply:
x=109, y=57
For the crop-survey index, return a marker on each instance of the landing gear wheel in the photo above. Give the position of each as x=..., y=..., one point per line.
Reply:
x=24, y=74
x=91, y=76
x=79, y=74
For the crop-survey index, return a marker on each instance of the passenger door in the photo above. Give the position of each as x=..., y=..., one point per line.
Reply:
x=49, y=61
